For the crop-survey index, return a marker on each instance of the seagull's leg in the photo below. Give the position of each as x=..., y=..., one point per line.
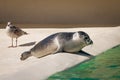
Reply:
x=12, y=43
x=16, y=42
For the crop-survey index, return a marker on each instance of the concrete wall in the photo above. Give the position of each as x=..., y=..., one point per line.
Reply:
x=60, y=11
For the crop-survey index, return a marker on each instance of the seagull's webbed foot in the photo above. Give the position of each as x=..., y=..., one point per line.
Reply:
x=12, y=46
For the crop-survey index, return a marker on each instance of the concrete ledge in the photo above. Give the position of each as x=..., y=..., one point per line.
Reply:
x=39, y=69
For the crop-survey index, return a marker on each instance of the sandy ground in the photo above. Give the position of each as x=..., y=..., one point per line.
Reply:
x=11, y=68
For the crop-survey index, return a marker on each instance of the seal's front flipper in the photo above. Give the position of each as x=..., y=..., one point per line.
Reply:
x=83, y=53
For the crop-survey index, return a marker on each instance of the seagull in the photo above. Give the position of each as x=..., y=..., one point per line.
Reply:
x=14, y=32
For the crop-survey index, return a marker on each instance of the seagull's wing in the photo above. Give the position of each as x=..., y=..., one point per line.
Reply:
x=17, y=30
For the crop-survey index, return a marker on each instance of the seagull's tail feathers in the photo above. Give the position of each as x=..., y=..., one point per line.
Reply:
x=25, y=33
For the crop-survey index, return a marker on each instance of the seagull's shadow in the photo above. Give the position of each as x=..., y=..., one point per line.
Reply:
x=27, y=44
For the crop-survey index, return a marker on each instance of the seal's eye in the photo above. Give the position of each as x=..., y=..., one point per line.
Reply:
x=86, y=38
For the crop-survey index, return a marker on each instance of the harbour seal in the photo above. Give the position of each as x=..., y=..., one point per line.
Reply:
x=59, y=42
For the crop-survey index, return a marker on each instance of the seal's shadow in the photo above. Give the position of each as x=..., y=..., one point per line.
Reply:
x=83, y=53
x=27, y=44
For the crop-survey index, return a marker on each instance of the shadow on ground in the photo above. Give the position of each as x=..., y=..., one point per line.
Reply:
x=27, y=44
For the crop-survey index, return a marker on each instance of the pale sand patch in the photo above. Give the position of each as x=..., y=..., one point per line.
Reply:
x=11, y=68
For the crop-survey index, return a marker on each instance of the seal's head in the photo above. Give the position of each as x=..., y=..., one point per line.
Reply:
x=85, y=37
x=25, y=55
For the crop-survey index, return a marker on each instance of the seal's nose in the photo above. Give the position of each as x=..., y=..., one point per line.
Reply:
x=91, y=42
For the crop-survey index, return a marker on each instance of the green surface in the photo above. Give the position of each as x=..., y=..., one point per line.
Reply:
x=105, y=66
